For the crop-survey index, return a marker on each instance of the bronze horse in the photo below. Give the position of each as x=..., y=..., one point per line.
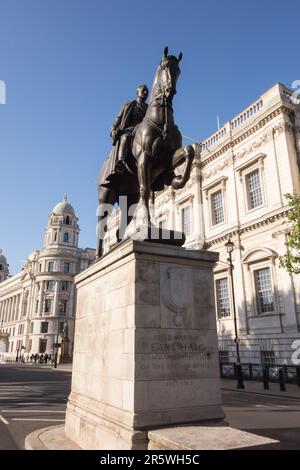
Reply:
x=156, y=152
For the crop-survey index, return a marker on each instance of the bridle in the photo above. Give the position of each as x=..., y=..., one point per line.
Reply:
x=163, y=101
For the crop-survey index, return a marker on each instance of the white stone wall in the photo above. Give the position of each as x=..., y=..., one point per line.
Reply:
x=261, y=138
x=24, y=297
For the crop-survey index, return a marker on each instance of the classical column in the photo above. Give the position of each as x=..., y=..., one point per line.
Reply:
x=172, y=210
x=10, y=309
x=56, y=298
x=71, y=300
x=41, y=298
x=198, y=208
x=14, y=305
x=19, y=315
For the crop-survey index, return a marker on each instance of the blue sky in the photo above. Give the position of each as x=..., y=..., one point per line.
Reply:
x=69, y=65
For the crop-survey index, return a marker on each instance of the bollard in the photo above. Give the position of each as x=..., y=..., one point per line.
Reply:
x=298, y=375
x=221, y=370
x=266, y=378
x=281, y=381
x=235, y=370
x=250, y=371
x=239, y=371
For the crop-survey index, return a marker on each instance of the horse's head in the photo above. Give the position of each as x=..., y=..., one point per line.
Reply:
x=168, y=73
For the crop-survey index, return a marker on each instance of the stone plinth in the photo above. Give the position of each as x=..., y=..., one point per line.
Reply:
x=208, y=438
x=65, y=357
x=145, y=352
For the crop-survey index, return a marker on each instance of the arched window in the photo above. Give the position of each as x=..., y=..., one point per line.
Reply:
x=68, y=222
x=55, y=236
x=66, y=237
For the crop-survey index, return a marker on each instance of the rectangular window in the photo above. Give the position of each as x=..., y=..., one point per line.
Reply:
x=64, y=286
x=63, y=306
x=223, y=302
x=50, y=266
x=37, y=306
x=264, y=291
x=44, y=327
x=50, y=286
x=48, y=303
x=254, y=191
x=268, y=357
x=217, y=208
x=66, y=267
x=223, y=357
x=43, y=345
x=186, y=220
x=61, y=326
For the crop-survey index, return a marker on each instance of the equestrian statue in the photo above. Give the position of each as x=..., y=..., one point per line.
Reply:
x=147, y=147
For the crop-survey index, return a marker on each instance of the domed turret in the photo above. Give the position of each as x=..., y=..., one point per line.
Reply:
x=63, y=208
x=62, y=228
x=4, y=272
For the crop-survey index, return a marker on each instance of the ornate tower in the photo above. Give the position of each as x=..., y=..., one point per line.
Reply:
x=62, y=228
x=4, y=272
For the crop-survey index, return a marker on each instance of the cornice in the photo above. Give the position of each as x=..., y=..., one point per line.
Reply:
x=246, y=228
x=282, y=109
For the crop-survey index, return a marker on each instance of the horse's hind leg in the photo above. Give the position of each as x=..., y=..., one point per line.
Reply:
x=107, y=200
x=127, y=206
x=143, y=165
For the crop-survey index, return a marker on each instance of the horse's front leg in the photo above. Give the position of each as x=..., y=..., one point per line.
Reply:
x=186, y=154
x=145, y=186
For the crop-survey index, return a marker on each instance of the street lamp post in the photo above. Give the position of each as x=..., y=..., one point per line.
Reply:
x=240, y=384
x=57, y=335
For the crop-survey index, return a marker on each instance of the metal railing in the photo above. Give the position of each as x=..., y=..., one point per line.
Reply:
x=278, y=373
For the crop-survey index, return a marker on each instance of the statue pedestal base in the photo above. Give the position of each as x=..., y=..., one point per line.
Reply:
x=145, y=351
x=65, y=357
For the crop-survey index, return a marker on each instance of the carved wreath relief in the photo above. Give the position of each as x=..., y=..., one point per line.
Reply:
x=174, y=293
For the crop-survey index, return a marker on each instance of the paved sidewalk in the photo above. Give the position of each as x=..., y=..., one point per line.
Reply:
x=292, y=391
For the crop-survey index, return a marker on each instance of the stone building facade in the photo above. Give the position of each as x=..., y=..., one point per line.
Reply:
x=237, y=190
x=36, y=302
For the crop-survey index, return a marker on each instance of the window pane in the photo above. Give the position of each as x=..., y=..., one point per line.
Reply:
x=50, y=266
x=64, y=285
x=254, y=190
x=217, y=208
x=186, y=220
x=223, y=306
x=268, y=357
x=264, y=292
x=50, y=285
x=66, y=267
x=63, y=306
x=44, y=327
x=48, y=303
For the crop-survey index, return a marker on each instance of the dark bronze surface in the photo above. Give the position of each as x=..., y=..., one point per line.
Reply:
x=144, y=154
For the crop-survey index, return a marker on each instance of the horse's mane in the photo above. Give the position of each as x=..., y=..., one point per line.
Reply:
x=155, y=87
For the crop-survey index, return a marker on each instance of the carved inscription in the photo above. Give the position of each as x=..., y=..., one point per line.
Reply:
x=176, y=356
